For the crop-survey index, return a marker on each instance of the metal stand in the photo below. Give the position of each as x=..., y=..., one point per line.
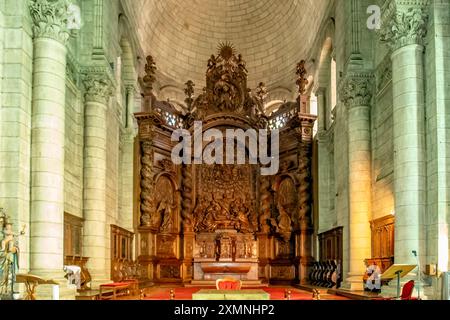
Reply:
x=398, y=273
x=419, y=276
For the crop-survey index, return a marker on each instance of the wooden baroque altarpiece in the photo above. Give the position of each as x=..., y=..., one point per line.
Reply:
x=202, y=222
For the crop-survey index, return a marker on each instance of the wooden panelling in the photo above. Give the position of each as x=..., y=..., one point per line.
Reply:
x=73, y=236
x=383, y=232
x=331, y=245
x=121, y=252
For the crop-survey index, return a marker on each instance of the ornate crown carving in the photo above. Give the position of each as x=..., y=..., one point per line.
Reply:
x=226, y=86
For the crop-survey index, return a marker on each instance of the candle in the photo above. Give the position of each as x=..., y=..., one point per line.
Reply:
x=55, y=292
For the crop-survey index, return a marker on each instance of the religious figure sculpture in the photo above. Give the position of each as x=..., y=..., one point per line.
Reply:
x=212, y=62
x=221, y=213
x=150, y=70
x=284, y=223
x=226, y=93
x=242, y=64
x=210, y=219
x=9, y=250
x=165, y=212
x=302, y=80
x=199, y=216
x=242, y=217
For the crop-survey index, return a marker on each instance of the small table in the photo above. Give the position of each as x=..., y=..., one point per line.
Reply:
x=31, y=282
x=231, y=295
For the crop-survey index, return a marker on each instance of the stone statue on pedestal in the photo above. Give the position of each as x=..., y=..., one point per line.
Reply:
x=9, y=260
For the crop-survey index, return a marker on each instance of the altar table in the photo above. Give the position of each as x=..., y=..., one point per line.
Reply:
x=231, y=295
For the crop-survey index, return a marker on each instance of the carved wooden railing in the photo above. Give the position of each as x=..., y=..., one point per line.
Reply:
x=281, y=118
x=124, y=270
x=326, y=274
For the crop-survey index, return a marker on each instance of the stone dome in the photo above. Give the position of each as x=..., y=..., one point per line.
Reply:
x=272, y=35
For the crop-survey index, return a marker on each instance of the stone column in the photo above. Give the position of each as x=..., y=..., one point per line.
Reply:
x=98, y=92
x=404, y=31
x=47, y=147
x=127, y=161
x=356, y=94
x=323, y=159
x=131, y=91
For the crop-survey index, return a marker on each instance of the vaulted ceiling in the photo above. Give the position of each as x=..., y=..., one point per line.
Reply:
x=272, y=35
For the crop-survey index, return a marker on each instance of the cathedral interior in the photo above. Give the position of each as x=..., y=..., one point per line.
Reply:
x=348, y=100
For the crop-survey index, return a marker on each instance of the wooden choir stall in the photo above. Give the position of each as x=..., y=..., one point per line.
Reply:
x=200, y=222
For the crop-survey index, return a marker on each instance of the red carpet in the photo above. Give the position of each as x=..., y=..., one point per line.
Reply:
x=275, y=294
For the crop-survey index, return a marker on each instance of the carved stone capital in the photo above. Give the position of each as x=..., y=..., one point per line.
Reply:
x=98, y=88
x=319, y=91
x=326, y=138
x=404, y=23
x=50, y=19
x=130, y=89
x=357, y=90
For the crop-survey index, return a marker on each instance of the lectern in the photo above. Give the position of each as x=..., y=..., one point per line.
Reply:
x=31, y=282
x=397, y=271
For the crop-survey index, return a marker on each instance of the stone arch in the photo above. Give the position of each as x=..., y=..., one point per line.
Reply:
x=273, y=106
x=128, y=38
x=323, y=75
x=129, y=67
x=173, y=94
x=323, y=66
x=325, y=47
x=128, y=53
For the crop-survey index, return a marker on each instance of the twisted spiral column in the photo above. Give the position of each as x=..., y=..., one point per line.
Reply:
x=147, y=184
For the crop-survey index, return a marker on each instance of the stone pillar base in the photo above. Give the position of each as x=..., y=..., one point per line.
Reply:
x=353, y=283
x=66, y=291
x=45, y=292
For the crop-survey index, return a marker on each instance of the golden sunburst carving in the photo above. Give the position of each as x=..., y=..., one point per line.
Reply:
x=226, y=50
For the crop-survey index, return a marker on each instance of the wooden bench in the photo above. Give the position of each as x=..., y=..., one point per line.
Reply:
x=112, y=291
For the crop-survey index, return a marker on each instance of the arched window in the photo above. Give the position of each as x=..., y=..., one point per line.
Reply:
x=333, y=84
x=314, y=110
x=118, y=71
